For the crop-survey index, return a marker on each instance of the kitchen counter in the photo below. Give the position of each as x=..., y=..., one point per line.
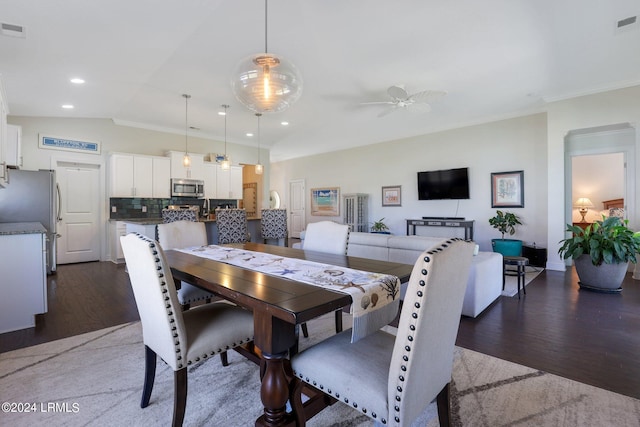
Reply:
x=10, y=228
x=155, y=221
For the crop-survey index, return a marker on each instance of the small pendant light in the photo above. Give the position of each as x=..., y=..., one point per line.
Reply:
x=186, y=160
x=225, y=165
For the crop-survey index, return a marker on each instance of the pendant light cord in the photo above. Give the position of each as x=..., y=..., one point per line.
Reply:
x=265, y=26
x=258, y=114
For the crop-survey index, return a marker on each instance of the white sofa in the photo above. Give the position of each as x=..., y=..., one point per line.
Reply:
x=485, y=277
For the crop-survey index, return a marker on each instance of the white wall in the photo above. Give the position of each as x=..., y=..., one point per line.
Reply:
x=603, y=109
x=508, y=145
x=599, y=177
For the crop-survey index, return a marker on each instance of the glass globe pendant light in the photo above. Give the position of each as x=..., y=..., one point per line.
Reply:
x=265, y=82
x=259, y=168
x=186, y=160
x=225, y=164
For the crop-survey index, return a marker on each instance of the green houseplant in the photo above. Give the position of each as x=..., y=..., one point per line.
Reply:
x=506, y=222
x=601, y=252
x=379, y=227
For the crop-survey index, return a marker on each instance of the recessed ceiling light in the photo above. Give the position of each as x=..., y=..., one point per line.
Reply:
x=284, y=123
x=77, y=81
x=249, y=134
x=67, y=106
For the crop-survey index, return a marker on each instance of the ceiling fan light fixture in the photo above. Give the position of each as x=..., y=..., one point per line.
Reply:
x=265, y=82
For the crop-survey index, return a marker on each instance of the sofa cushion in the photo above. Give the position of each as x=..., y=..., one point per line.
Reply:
x=407, y=249
x=368, y=245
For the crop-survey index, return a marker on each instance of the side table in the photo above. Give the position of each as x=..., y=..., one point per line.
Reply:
x=520, y=263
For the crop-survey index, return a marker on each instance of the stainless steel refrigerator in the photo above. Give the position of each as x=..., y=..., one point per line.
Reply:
x=33, y=196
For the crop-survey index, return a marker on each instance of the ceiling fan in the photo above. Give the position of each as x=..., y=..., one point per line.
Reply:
x=401, y=100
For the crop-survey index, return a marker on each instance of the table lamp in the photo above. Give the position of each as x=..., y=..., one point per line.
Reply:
x=583, y=203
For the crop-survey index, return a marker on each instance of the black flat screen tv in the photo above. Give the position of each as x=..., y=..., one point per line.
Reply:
x=443, y=184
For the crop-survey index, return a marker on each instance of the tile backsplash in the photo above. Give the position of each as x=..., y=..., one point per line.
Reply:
x=129, y=208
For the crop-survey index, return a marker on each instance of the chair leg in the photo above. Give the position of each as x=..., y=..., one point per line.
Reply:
x=179, y=396
x=305, y=331
x=338, y=321
x=224, y=358
x=444, y=406
x=149, y=375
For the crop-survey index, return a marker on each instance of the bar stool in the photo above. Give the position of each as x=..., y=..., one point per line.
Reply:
x=273, y=225
x=520, y=263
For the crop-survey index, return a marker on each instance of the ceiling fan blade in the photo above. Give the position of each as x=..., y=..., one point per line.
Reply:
x=428, y=96
x=388, y=111
x=397, y=92
x=419, y=108
x=377, y=103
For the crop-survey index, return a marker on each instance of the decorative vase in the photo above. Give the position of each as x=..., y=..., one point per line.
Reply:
x=507, y=247
x=603, y=277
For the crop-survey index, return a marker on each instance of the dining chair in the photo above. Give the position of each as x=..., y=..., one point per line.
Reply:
x=183, y=234
x=329, y=237
x=232, y=225
x=181, y=339
x=273, y=225
x=392, y=379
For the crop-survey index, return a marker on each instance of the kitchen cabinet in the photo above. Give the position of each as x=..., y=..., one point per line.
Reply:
x=14, y=146
x=117, y=229
x=210, y=180
x=196, y=171
x=229, y=183
x=24, y=275
x=161, y=180
x=131, y=176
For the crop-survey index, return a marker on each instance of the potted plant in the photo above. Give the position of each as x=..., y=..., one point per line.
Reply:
x=601, y=252
x=380, y=227
x=506, y=222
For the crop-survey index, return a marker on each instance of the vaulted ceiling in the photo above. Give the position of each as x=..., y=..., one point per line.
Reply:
x=494, y=58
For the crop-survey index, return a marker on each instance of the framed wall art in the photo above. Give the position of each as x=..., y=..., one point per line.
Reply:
x=392, y=195
x=325, y=201
x=507, y=189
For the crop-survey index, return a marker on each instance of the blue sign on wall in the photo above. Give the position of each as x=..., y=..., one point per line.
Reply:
x=69, y=144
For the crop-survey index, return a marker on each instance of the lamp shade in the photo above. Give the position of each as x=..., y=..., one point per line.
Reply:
x=583, y=202
x=266, y=83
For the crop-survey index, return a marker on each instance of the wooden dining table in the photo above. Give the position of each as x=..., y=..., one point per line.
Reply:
x=279, y=306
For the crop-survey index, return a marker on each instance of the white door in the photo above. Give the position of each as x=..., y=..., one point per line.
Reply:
x=78, y=227
x=297, y=217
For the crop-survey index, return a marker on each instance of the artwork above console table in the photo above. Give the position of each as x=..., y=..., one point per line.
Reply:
x=441, y=222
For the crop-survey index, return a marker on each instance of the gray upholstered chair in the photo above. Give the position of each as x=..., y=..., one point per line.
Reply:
x=183, y=234
x=179, y=338
x=273, y=225
x=390, y=378
x=232, y=225
x=329, y=237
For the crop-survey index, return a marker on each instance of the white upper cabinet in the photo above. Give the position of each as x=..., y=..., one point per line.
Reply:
x=131, y=176
x=210, y=180
x=14, y=146
x=229, y=183
x=196, y=171
x=161, y=177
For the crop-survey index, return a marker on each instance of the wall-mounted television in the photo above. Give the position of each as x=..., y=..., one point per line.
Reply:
x=443, y=184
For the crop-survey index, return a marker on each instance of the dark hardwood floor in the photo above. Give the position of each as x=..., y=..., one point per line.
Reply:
x=585, y=336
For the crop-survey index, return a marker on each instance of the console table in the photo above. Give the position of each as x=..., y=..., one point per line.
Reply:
x=467, y=225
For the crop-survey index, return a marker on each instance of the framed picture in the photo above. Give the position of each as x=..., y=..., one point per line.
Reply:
x=59, y=143
x=507, y=189
x=392, y=195
x=325, y=201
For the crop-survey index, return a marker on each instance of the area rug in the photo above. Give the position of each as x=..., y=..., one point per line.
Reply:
x=511, y=282
x=95, y=379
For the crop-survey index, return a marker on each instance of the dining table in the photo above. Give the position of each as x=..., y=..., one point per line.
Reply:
x=279, y=306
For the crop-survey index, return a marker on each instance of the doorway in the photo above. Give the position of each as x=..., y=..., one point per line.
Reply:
x=78, y=219
x=297, y=202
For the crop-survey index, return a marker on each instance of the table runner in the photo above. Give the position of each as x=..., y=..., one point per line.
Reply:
x=375, y=295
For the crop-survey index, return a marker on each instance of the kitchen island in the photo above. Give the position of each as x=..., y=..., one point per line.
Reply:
x=23, y=270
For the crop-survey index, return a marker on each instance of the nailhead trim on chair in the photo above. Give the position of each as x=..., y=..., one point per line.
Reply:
x=405, y=357
x=170, y=310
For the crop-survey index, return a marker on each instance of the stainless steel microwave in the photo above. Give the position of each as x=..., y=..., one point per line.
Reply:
x=187, y=188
